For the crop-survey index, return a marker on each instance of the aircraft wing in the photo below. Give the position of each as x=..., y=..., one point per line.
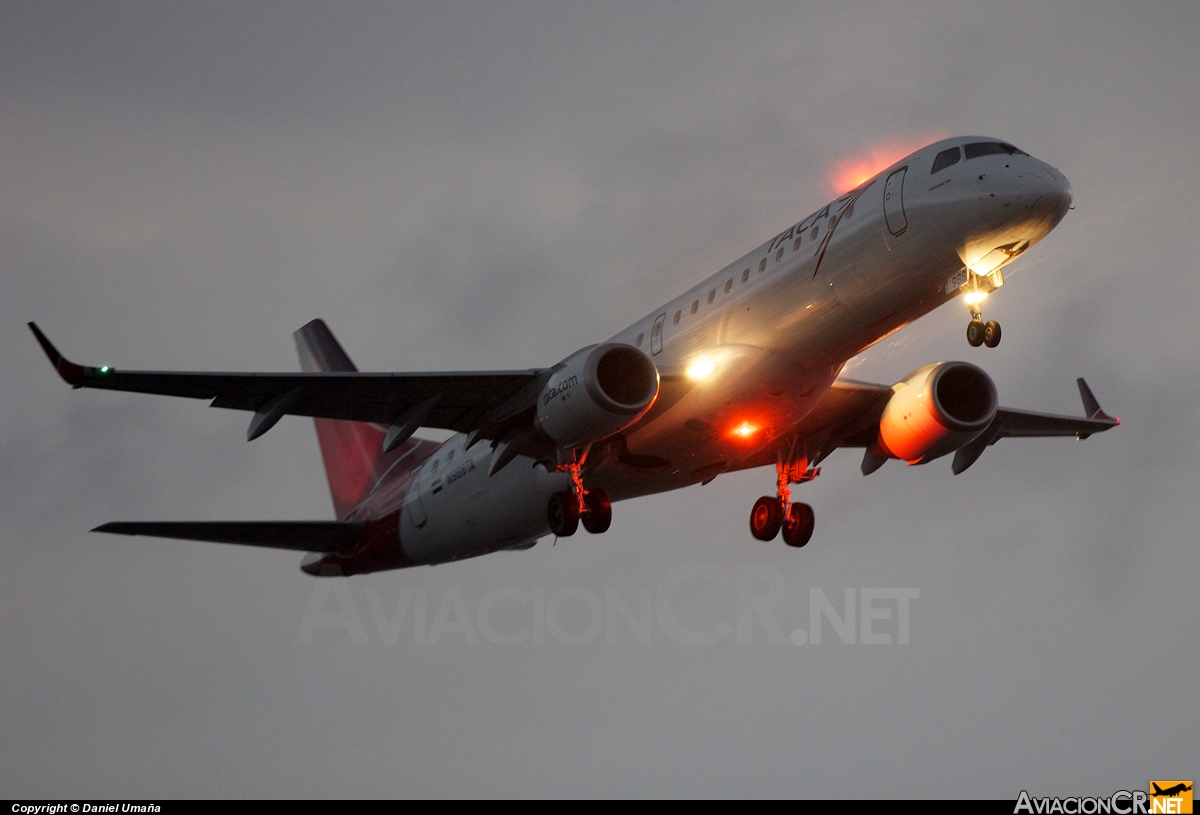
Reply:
x=460, y=401
x=1012, y=423
x=303, y=536
x=849, y=416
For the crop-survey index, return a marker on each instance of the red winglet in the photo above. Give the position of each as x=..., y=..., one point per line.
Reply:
x=69, y=371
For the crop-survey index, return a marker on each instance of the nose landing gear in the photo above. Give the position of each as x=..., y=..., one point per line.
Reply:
x=773, y=514
x=981, y=333
x=977, y=288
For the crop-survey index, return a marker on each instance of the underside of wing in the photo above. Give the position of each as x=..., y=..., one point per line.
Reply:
x=847, y=416
x=453, y=401
x=303, y=536
x=850, y=413
x=1013, y=423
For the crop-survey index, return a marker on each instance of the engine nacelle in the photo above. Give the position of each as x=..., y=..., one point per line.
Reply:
x=596, y=392
x=935, y=410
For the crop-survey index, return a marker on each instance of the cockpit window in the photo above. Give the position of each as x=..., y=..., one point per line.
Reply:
x=991, y=148
x=945, y=159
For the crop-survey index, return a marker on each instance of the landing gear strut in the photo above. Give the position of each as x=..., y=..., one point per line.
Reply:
x=978, y=332
x=774, y=514
x=566, y=509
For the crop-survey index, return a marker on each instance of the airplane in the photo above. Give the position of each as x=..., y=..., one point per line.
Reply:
x=740, y=371
x=1170, y=792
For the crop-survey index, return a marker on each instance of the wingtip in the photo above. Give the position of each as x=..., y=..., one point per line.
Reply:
x=1091, y=405
x=71, y=373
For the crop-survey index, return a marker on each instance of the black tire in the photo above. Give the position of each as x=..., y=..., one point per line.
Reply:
x=975, y=333
x=598, y=517
x=563, y=514
x=765, y=518
x=991, y=334
x=798, y=527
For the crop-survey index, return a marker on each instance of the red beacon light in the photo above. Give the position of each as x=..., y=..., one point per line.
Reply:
x=744, y=430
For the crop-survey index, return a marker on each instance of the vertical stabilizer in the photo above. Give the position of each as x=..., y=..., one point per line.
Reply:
x=352, y=451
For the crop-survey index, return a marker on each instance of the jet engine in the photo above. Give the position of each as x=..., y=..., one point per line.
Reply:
x=595, y=392
x=936, y=410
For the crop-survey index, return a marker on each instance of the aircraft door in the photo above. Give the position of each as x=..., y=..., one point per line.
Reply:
x=893, y=202
x=656, y=334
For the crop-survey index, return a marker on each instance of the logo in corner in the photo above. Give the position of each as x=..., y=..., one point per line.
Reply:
x=1170, y=797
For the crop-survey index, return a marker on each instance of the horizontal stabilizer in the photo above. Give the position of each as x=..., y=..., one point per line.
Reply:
x=304, y=536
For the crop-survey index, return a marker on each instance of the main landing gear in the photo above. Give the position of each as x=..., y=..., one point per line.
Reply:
x=566, y=510
x=774, y=514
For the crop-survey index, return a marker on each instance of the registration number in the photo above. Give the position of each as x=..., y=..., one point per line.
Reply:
x=956, y=281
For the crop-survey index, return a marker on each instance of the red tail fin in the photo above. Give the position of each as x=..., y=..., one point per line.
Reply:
x=354, y=462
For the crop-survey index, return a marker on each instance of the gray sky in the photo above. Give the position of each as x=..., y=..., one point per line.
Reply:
x=486, y=186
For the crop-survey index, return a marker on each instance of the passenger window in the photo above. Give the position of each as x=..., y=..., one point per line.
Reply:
x=728, y=285
x=796, y=245
x=712, y=295
x=762, y=265
x=657, y=328
x=813, y=235
x=695, y=305
x=678, y=314
x=745, y=275
x=945, y=159
x=450, y=457
x=638, y=341
x=435, y=465
x=779, y=255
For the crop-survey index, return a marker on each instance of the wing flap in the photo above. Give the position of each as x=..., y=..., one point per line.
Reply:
x=303, y=536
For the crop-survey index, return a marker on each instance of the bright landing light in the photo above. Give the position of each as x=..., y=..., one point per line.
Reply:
x=974, y=298
x=701, y=369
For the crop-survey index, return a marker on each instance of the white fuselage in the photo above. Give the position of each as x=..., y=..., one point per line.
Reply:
x=770, y=332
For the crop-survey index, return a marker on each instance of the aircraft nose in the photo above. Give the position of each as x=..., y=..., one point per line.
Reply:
x=1058, y=194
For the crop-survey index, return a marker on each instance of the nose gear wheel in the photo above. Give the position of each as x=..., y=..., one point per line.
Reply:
x=975, y=332
x=991, y=333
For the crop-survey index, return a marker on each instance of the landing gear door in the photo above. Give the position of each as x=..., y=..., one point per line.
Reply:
x=656, y=334
x=893, y=202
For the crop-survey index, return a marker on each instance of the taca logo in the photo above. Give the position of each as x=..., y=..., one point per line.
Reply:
x=560, y=388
